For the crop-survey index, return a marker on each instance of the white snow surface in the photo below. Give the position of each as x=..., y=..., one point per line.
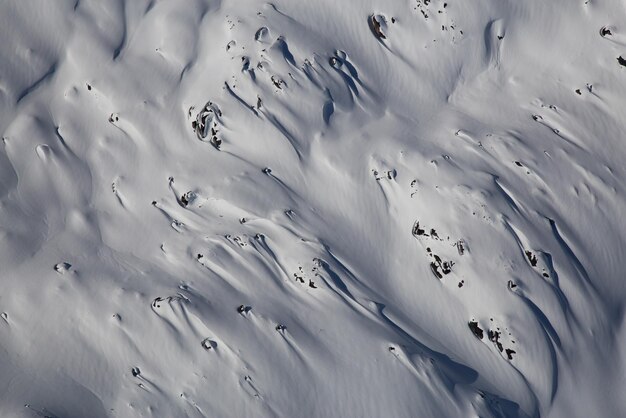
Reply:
x=164, y=162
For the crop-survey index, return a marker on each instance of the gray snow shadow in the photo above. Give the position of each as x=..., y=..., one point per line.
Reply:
x=281, y=46
x=328, y=108
x=62, y=397
x=456, y=372
x=493, y=36
x=48, y=74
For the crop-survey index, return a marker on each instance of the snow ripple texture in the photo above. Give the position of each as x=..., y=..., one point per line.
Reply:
x=391, y=208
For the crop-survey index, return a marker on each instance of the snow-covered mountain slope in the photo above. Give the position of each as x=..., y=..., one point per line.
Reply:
x=391, y=208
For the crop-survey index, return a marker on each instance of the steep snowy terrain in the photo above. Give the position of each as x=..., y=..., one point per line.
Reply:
x=323, y=208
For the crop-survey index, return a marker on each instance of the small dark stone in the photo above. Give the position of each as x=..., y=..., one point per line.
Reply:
x=416, y=229
x=62, y=267
x=244, y=309
x=460, y=246
x=532, y=258
x=207, y=344
x=183, y=200
x=494, y=336
x=375, y=26
x=435, y=269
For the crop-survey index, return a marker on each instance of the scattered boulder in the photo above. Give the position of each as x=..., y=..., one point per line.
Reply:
x=604, y=32
x=262, y=35
x=440, y=267
x=378, y=26
x=208, y=344
x=62, y=268
x=243, y=309
x=494, y=337
x=207, y=122
x=509, y=353
x=532, y=258
x=460, y=246
x=478, y=332
x=187, y=198
x=417, y=231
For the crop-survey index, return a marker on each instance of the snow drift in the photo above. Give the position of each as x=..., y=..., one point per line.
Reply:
x=312, y=208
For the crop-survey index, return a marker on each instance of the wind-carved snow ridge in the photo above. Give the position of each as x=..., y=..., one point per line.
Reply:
x=237, y=208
